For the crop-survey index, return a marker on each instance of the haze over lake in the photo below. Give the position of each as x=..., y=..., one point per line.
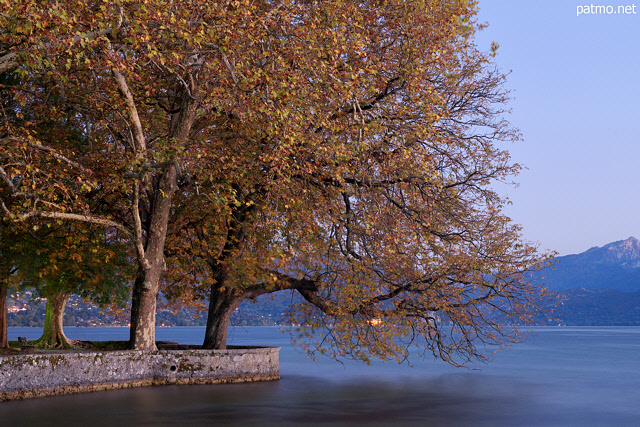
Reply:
x=559, y=376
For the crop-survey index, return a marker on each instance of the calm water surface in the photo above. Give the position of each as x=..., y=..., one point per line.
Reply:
x=558, y=377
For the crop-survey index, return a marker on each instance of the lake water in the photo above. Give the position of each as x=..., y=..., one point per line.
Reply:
x=560, y=376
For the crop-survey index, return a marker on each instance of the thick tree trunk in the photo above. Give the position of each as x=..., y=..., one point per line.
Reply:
x=142, y=334
x=4, y=331
x=53, y=334
x=221, y=306
x=224, y=299
x=145, y=288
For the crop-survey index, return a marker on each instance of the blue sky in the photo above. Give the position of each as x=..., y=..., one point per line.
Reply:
x=576, y=88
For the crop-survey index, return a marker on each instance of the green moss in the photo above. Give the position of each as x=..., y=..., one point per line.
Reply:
x=137, y=356
x=191, y=367
x=56, y=360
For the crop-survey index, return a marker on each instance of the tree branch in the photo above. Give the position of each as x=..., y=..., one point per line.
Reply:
x=73, y=217
x=52, y=151
x=137, y=131
x=137, y=231
x=348, y=226
x=225, y=60
x=325, y=306
x=8, y=181
x=8, y=62
x=282, y=282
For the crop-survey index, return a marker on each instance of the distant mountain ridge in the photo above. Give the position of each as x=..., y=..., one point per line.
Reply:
x=612, y=266
x=624, y=253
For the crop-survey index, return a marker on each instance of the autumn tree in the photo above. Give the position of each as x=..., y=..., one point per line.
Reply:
x=371, y=196
x=94, y=66
x=343, y=150
x=56, y=262
x=50, y=258
x=61, y=261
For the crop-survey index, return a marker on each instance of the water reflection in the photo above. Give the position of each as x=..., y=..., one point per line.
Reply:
x=452, y=400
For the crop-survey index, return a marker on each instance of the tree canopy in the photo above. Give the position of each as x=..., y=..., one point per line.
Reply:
x=344, y=150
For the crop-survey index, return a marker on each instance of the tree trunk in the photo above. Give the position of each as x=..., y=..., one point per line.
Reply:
x=151, y=262
x=4, y=331
x=221, y=306
x=53, y=334
x=142, y=334
x=224, y=299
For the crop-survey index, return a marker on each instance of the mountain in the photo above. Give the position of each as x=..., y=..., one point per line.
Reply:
x=613, y=266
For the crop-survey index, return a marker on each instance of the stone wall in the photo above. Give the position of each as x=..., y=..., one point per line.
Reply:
x=47, y=374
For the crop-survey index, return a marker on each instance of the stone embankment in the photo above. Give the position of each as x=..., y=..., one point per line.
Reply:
x=47, y=374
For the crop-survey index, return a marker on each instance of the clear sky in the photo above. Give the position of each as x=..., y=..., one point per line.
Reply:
x=576, y=84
